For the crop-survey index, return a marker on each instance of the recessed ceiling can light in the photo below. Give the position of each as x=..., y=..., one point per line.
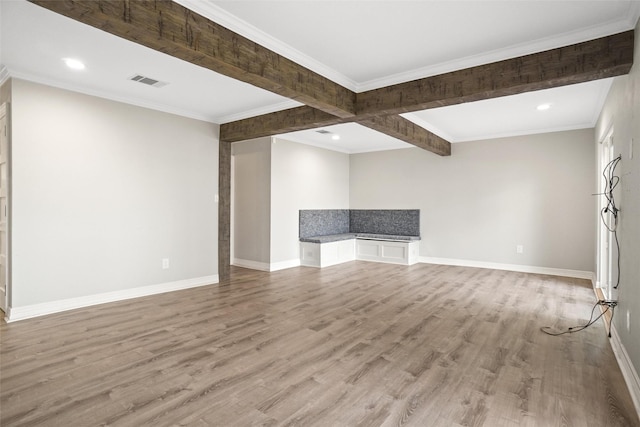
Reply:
x=335, y=137
x=74, y=64
x=543, y=107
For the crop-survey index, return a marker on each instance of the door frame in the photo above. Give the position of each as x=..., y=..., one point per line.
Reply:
x=5, y=305
x=605, y=236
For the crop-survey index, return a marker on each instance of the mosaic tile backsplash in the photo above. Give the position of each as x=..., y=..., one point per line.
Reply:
x=404, y=222
x=323, y=222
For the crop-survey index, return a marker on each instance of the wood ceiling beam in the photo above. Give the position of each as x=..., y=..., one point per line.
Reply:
x=302, y=118
x=596, y=59
x=291, y=120
x=592, y=60
x=170, y=28
x=405, y=130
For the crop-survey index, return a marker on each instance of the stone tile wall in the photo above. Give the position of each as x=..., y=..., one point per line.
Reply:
x=323, y=222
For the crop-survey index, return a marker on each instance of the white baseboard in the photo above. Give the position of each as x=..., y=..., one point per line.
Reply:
x=282, y=265
x=253, y=265
x=265, y=266
x=578, y=274
x=628, y=371
x=35, y=310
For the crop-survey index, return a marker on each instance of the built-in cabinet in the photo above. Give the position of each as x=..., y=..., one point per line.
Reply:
x=332, y=253
x=327, y=254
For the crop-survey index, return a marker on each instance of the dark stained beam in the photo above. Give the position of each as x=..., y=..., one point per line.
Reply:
x=299, y=118
x=596, y=59
x=177, y=31
x=302, y=118
x=405, y=130
x=224, y=210
x=170, y=28
x=601, y=58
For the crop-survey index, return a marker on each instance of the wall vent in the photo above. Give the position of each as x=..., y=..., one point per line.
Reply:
x=147, y=81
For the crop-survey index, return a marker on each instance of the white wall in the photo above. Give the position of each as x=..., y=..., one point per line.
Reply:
x=103, y=191
x=251, y=202
x=622, y=111
x=490, y=196
x=302, y=177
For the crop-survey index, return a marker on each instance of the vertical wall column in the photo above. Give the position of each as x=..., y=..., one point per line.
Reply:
x=224, y=211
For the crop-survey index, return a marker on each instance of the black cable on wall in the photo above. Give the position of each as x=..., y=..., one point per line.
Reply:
x=611, y=182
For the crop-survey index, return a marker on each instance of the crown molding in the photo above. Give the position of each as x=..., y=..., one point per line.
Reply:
x=336, y=148
x=110, y=96
x=226, y=19
x=233, y=23
x=482, y=137
x=4, y=74
x=147, y=104
x=424, y=124
x=591, y=123
x=514, y=51
x=299, y=140
x=284, y=105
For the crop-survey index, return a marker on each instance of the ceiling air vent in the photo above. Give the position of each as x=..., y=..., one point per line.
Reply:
x=324, y=132
x=148, y=81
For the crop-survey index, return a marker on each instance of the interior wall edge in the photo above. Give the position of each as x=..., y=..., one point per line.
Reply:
x=626, y=366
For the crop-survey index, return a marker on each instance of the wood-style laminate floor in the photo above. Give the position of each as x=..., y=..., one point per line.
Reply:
x=359, y=344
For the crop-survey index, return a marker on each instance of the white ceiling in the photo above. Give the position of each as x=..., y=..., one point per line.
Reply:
x=570, y=107
x=354, y=138
x=359, y=44
x=34, y=41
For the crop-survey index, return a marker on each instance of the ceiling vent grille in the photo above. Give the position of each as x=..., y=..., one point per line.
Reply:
x=323, y=132
x=148, y=81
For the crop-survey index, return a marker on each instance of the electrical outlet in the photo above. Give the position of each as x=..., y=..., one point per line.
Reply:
x=628, y=322
x=519, y=249
x=165, y=263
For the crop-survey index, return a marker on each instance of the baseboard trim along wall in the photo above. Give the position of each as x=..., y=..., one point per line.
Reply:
x=578, y=274
x=282, y=265
x=35, y=310
x=253, y=265
x=264, y=266
x=628, y=371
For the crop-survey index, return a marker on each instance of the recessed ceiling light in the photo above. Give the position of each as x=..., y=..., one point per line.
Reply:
x=543, y=107
x=74, y=64
x=335, y=137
